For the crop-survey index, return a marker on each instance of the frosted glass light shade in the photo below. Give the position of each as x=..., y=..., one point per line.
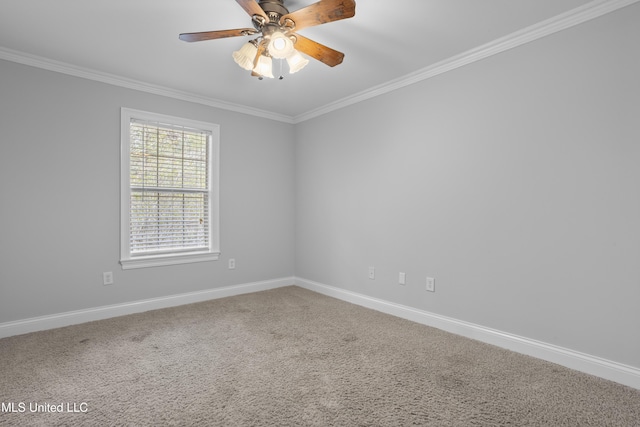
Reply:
x=296, y=62
x=245, y=56
x=280, y=46
x=264, y=67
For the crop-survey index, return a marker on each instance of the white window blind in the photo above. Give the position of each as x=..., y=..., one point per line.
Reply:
x=169, y=207
x=169, y=176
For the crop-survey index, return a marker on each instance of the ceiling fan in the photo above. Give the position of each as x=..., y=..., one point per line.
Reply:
x=278, y=34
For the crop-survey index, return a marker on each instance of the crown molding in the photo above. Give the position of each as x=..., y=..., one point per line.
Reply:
x=112, y=79
x=579, y=15
x=587, y=12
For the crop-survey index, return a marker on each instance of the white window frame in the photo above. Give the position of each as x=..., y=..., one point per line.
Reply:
x=212, y=253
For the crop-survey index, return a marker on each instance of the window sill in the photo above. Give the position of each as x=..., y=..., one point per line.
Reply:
x=162, y=260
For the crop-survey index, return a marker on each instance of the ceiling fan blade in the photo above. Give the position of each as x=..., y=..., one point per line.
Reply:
x=252, y=8
x=321, y=12
x=212, y=35
x=318, y=51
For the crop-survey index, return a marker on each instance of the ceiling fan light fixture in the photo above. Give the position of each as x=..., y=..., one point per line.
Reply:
x=296, y=62
x=280, y=46
x=264, y=67
x=245, y=55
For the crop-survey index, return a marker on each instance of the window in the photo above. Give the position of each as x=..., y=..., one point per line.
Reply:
x=169, y=190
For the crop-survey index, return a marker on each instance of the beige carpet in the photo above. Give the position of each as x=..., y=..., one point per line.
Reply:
x=289, y=357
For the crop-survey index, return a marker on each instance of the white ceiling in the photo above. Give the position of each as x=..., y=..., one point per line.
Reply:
x=137, y=40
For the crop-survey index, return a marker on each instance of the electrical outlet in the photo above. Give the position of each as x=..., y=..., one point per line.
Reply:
x=107, y=278
x=402, y=278
x=372, y=273
x=431, y=284
x=232, y=263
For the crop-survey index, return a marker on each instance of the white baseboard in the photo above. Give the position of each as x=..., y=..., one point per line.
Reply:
x=593, y=365
x=34, y=324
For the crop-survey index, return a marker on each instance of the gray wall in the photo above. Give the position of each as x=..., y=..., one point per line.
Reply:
x=59, y=192
x=514, y=181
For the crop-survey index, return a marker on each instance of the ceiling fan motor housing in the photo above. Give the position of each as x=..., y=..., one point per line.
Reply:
x=274, y=9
